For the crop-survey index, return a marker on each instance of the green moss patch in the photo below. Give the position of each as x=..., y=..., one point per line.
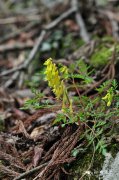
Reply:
x=101, y=56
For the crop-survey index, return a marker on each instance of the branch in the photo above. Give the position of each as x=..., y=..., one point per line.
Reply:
x=15, y=47
x=19, y=19
x=30, y=57
x=83, y=32
x=18, y=31
x=60, y=18
x=23, y=175
x=39, y=41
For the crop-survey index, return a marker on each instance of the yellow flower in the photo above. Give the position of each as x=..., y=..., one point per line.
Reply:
x=108, y=98
x=64, y=69
x=53, y=78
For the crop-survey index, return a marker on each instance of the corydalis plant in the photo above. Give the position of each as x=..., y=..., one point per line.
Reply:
x=109, y=97
x=55, y=80
x=111, y=93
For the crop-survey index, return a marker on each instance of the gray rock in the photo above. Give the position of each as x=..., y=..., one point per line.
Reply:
x=110, y=168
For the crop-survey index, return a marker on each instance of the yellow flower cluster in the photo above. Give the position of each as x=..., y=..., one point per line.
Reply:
x=53, y=78
x=64, y=70
x=108, y=98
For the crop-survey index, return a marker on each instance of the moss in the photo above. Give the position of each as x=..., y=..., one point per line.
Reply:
x=82, y=164
x=101, y=56
x=103, y=51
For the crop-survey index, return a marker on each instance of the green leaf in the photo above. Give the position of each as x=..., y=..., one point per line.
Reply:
x=75, y=152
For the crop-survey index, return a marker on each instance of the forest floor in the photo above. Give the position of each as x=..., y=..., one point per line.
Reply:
x=43, y=136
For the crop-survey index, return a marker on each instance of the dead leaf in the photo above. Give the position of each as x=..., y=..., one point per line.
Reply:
x=37, y=131
x=37, y=155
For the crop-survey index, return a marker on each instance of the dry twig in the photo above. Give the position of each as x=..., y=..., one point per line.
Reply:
x=23, y=175
x=19, y=19
x=38, y=43
x=83, y=32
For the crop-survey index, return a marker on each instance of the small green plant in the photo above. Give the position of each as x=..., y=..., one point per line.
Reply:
x=100, y=59
x=34, y=102
x=93, y=113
